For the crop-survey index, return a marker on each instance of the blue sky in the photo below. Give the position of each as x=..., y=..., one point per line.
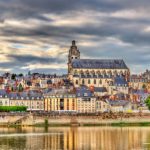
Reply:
x=36, y=35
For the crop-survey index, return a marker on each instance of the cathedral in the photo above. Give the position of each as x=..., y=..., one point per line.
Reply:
x=95, y=72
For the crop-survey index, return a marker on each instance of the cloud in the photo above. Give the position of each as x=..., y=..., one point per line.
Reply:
x=36, y=34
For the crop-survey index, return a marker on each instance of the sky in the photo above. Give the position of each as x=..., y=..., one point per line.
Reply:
x=35, y=35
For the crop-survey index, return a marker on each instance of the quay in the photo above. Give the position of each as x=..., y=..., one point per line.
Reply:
x=33, y=119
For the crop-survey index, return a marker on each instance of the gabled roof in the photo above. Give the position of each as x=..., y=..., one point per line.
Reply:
x=99, y=64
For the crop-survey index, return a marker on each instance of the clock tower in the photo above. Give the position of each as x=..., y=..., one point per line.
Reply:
x=74, y=53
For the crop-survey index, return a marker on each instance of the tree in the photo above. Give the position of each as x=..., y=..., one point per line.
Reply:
x=13, y=76
x=20, y=75
x=144, y=86
x=147, y=102
x=29, y=73
x=20, y=88
x=12, y=89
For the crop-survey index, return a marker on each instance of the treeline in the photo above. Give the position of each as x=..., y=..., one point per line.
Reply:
x=12, y=108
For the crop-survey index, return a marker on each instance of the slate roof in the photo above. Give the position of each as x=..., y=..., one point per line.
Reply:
x=25, y=95
x=60, y=93
x=118, y=102
x=100, y=89
x=83, y=91
x=120, y=81
x=99, y=64
x=3, y=93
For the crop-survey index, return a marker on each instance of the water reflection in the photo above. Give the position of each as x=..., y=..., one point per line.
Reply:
x=76, y=138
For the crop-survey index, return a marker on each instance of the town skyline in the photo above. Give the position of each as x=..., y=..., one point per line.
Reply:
x=65, y=72
x=36, y=35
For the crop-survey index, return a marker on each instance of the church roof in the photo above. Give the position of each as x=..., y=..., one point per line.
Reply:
x=99, y=64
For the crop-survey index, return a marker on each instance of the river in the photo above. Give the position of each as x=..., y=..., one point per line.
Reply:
x=75, y=138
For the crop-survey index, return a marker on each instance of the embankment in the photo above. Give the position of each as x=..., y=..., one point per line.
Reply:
x=32, y=120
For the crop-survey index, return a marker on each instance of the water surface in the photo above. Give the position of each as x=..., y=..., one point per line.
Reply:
x=75, y=138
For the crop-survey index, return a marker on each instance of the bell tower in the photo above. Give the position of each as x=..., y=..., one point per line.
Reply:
x=74, y=53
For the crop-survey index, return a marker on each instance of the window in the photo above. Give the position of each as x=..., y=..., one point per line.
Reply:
x=94, y=81
x=89, y=82
x=100, y=81
x=83, y=81
x=76, y=81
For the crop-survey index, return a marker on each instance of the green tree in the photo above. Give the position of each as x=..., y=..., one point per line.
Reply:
x=147, y=102
x=20, y=88
x=20, y=75
x=29, y=73
x=12, y=89
x=144, y=86
x=13, y=76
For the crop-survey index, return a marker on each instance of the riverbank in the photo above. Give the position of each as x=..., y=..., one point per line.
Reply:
x=33, y=120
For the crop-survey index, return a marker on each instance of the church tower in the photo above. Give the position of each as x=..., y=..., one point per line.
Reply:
x=74, y=53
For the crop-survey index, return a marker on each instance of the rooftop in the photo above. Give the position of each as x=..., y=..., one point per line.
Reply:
x=99, y=64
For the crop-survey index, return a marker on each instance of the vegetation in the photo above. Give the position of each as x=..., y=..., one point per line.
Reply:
x=20, y=88
x=147, y=102
x=144, y=86
x=46, y=122
x=13, y=76
x=12, y=108
x=20, y=75
x=124, y=124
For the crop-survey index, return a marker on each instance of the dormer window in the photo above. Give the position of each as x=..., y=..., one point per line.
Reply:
x=85, y=94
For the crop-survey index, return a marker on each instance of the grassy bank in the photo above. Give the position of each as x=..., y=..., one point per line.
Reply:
x=118, y=124
x=130, y=124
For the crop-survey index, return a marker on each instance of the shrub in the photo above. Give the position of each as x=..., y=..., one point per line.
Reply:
x=12, y=108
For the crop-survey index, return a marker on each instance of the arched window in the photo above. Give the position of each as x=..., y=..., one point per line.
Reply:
x=94, y=81
x=100, y=81
x=77, y=82
x=89, y=81
x=83, y=82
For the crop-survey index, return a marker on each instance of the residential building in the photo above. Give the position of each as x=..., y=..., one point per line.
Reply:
x=102, y=106
x=86, y=101
x=138, y=82
x=4, y=99
x=60, y=100
x=32, y=102
x=119, y=105
x=120, y=85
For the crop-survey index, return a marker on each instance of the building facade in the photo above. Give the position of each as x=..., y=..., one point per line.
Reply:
x=60, y=102
x=94, y=72
x=86, y=101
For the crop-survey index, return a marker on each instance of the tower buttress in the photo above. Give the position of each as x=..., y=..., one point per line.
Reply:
x=74, y=53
